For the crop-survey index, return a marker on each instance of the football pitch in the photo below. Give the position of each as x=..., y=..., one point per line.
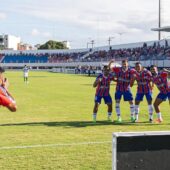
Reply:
x=53, y=127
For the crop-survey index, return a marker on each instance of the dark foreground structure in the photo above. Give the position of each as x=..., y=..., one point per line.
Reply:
x=141, y=151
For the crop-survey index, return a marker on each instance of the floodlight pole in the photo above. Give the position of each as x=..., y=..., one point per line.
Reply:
x=92, y=43
x=159, y=23
x=109, y=40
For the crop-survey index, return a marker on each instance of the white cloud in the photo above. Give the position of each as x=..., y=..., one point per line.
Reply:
x=38, y=33
x=93, y=18
x=97, y=15
x=47, y=34
x=35, y=32
x=2, y=16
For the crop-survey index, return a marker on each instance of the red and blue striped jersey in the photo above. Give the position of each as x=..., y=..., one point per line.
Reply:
x=169, y=86
x=161, y=81
x=123, y=78
x=103, y=87
x=143, y=81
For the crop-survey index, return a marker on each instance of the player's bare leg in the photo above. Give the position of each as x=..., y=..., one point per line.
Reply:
x=12, y=107
x=109, y=111
x=150, y=110
x=132, y=111
x=157, y=109
x=95, y=110
x=137, y=110
x=119, y=119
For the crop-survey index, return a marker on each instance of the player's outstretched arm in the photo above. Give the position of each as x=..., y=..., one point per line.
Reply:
x=151, y=85
x=110, y=62
x=96, y=82
x=132, y=81
x=167, y=71
x=5, y=83
x=133, y=77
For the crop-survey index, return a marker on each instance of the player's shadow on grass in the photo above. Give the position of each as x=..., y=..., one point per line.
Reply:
x=68, y=124
x=37, y=76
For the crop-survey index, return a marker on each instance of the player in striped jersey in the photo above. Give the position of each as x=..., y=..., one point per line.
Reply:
x=102, y=84
x=168, y=71
x=124, y=76
x=160, y=79
x=144, y=88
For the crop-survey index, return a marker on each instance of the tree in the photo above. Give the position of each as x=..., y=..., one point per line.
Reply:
x=53, y=45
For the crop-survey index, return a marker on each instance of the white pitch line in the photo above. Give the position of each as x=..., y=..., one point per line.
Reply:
x=53, y=145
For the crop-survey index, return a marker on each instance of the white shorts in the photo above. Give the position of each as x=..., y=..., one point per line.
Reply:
x=25, y=74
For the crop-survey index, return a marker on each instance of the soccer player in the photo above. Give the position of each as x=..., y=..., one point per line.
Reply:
x=26, y=71
x=168, y=71
x=102, y=84
x=144, y=88
x=160, y=79
x=6, y=98
x=124, y=76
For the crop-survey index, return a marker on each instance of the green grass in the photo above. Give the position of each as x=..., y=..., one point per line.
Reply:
x=57, y=108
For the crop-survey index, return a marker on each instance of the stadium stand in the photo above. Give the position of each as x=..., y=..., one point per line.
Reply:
x=25, y=58
x=65, y=57
x=153, y=51
x=88, y=61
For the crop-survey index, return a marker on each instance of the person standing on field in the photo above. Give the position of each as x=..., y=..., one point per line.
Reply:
x=26, y=71
x=124, y=76
x=144, y=88
x=160, y=79
x=102, y=85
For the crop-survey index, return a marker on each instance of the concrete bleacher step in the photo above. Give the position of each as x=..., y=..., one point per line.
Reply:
x=87, y=54
x=1, y=59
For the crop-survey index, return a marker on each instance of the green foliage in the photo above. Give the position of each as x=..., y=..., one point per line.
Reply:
x=53, y=45
x=57, y=108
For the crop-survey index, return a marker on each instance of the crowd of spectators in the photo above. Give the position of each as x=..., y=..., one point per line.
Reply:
x=65, y=57
x=89, y=70
x=154, y=52
x=43, y=57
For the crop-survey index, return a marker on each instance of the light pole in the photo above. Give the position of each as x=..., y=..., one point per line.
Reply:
x=159, y=22
x=109, y=40
x=92, y=43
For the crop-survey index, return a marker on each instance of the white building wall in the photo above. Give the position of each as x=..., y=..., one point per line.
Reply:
x=10, y=42
x=13, y=42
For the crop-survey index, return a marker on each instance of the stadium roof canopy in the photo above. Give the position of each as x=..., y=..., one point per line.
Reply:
x=163, y=29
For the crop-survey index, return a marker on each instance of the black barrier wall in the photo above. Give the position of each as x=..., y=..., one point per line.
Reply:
x=143, y=152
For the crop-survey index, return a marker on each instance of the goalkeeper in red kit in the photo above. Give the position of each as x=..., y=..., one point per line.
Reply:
x=6, y=98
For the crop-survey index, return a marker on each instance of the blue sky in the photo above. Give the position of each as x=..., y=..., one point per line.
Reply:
x=82, y=21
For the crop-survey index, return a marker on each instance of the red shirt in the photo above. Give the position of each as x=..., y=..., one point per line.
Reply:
x=161, y=81
x=103, y=87
x=143, y=81
x=123, y=78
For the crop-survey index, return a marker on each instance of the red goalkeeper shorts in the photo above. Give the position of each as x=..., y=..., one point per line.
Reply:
x=4, y=99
